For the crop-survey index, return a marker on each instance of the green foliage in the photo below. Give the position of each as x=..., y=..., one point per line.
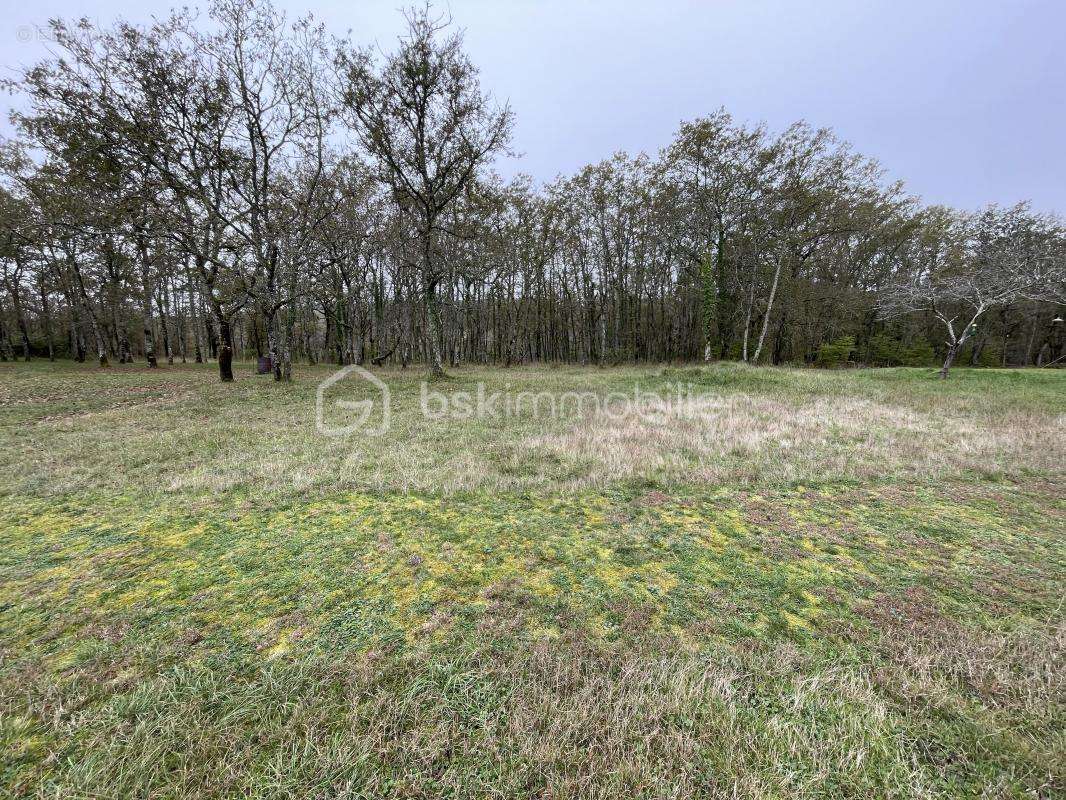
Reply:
x=836, y=353
x=886, y=351
x=991, y=356
x=919, y=354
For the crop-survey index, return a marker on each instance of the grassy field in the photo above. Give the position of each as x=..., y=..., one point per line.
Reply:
x=792, y=583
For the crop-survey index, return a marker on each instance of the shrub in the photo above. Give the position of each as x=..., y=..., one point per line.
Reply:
x=919, y=354
x=886, y=351
x=836, y=353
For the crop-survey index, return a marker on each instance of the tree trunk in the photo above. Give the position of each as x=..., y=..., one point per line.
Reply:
x=278, y=342
x=98, y=335
x=88, y=314
x=225, y=351
x=124, y=350
x=709, y=278
x=747, y=321
x=146, y=314
x=212, y=336
x=1042, y=356
x=766, y=317
x=163, y=303
x=101, y=346
x=949, y=360
x=432, y=333
x=77, y=341
x=23, y=333
x=281, y=346
x=287, y=330
x=180, y=327
x=6, y=351
x=194, y=316
x=47, y=318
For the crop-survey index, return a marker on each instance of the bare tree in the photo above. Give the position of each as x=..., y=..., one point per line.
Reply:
x=185, y=181
x=963, y=265
x=423, y=116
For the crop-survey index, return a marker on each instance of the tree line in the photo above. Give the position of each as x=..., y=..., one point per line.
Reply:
x=240, y=184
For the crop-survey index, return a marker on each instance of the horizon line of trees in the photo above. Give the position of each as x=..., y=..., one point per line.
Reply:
x=245, y=185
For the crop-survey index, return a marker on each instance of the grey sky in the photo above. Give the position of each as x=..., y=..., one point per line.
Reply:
x=964, y=101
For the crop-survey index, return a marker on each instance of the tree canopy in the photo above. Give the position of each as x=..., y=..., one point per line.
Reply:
x=246, y=184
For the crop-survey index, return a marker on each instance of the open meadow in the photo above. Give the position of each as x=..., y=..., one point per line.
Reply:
x=785, y=583
x=674, y=409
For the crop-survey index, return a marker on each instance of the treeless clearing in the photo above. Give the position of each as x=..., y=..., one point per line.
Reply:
x=707, y=603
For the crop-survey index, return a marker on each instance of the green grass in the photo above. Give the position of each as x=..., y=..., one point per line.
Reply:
x=822, y=584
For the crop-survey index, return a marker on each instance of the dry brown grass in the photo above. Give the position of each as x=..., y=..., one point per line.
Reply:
x=1020, y=675
x=72, y=429
x=745, y=438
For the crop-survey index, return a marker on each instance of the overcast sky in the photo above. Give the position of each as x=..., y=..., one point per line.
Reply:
x=964, y=101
